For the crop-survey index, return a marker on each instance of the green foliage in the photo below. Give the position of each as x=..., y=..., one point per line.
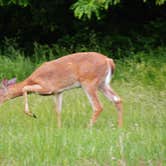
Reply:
x=81, y=8
x=47, y=22
x=116, y=45
x=45, y=52
x=158, y=2
x=111, y=42
x=88, y=7
x=18, y=67
x=13, y=62
x=22, y=3
x=147, y=67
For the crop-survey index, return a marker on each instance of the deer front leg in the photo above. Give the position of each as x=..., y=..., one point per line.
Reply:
x=32, y=88
x=26, y=110
x=58, y=108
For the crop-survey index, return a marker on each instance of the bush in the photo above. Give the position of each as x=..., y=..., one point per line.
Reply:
x=147, y=68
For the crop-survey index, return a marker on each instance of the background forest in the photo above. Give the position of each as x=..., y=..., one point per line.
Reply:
x=108, y=26
x=133, y=33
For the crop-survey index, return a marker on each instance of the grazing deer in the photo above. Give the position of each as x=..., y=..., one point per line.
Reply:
x=90, y=70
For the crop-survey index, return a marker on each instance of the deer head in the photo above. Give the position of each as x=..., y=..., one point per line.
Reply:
x=4, y=88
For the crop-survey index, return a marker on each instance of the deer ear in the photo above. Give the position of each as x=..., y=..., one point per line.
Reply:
x=11, y=82
x=4, y=83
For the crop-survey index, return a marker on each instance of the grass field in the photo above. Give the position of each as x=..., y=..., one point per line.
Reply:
x=25, y=141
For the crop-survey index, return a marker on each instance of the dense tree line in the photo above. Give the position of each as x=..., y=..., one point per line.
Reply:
x=73, y=22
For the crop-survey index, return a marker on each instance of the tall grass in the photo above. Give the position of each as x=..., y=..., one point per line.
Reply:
x=140, y=81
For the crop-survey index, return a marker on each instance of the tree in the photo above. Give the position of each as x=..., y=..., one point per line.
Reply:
x=81, y=8
x=86, y=8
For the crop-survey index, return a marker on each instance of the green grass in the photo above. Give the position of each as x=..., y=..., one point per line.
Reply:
x=26, y=141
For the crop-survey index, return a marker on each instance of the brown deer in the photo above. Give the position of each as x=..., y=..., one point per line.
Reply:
x=90, y=70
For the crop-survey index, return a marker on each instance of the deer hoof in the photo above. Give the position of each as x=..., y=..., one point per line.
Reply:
x=34, y=116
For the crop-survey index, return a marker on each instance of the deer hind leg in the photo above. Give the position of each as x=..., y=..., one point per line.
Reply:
x=112, y=96
x=91, y=93
x=58, y=108
x=32, y=88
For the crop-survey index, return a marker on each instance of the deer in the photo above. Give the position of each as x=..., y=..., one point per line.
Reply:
x=90, y=71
